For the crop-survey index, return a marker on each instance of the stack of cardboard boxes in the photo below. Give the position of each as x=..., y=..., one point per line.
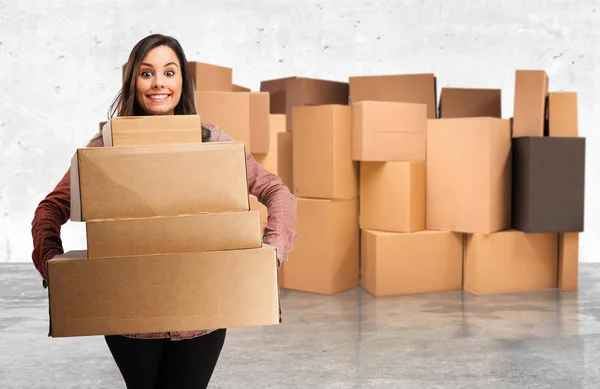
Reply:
x=172, y=244
x=450, y=198
x=325, y=182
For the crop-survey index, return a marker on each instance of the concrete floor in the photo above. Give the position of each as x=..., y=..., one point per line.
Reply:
x=451, y=340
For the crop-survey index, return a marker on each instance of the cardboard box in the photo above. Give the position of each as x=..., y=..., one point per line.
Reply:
x=208, y=77
x=510, y=261
x=152, y=130
x=388, y=131
x=548, y=184
x=531, y=93
x=291, y=92
x=563, y=114
x=285, y=158
x=243, y=116
x=568, y=261
x=269, y=160
x=395, y=264
x=173, y=234
x=158, y=180
x=392, y=196
x=262, y=210
x=403, y=88
x=470, y=102
x=322, y=144
x=162, y=293
x=325, y=259
x=239, y=88
x=468, y=175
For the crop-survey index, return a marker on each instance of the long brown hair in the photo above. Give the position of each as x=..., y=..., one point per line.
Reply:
x=125, y=103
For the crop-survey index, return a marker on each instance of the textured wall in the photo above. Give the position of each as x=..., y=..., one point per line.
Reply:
x=60, y=67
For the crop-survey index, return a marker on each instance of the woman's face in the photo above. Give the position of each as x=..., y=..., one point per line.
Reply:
x=158, y=86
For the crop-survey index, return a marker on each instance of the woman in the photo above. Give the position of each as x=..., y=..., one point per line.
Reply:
x=158, y=82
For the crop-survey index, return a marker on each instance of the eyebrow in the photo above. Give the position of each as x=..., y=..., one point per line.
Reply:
x=150, y=65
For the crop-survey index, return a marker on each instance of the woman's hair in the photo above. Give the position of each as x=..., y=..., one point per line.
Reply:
x=125, y=103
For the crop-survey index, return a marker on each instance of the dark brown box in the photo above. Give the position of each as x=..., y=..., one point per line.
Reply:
x=290, y=92
x=548, y=184
x=470, y=102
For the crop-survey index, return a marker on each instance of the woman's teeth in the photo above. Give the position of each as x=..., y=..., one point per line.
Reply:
x=158, y=97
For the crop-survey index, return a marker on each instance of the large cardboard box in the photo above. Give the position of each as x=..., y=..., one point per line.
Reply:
x=242, y=115
x=468, y=175
x=285, y=158
x=530, y=107
x=392, y=196
x=269, y=160
x=389, y=131
x=322, y=153
x=208, y=77
x=158, y=180
x=325, y=259
x=420, y=262
x=151, y=130
x=403, y=88
x=162, y=293
x=173, y=234
x=548, y=184
x=563, y=114
x=568, y=261
x=510, y=261
x=470, y=102
x=291, y=92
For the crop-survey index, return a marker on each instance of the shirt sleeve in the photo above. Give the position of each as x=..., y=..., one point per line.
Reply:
x=270, y=190
x=49, y=217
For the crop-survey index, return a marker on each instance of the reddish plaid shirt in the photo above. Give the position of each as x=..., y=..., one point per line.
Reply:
x=54, y=211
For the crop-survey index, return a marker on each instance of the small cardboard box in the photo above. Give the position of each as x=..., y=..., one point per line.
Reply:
x=291, y=92
x=531, y=94
x=389, y=131
x=209, y=77
x=392, y=196
x=548, y=184
x=262, y=210
x=468, y=175
x=152, y=130
x=470, y=102
x=402, y=88
x=322, y=143
x=239, y=88
x=242, y=115
x=158, y=180
x=510, y=261
x=162, y=293
x=568, y=261
x=269, y=160
x=563, y=114
x=395, y=264
x=173, y=234
x=285, y=158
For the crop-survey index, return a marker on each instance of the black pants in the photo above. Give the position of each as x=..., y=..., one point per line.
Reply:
x=162, y=363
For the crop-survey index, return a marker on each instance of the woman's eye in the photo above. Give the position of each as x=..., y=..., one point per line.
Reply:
x=146, y=73
x=170, y=73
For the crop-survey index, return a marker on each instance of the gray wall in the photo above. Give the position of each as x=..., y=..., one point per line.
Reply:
x=60, y=67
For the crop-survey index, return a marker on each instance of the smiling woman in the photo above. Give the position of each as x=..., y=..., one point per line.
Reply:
x=158, y=82
x=158, y=87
